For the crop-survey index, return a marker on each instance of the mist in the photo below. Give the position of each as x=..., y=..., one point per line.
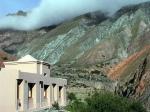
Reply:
x=51, y=12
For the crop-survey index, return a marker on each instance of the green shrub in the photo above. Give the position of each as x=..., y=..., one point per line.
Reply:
x=56, y=105
x=76, y=106
x=71, y=96
x=105, y=102
x=136, y=107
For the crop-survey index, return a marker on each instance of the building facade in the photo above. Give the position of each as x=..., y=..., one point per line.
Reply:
x=26, y=85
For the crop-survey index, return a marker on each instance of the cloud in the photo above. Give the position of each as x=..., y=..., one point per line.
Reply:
x=51, y=12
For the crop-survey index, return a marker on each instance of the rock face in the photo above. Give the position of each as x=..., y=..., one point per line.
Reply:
x=133, y=76
x=83, y=81
x=11, y=40
x=6, y=57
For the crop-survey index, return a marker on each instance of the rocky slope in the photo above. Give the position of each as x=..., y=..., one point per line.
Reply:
x=87, y=49
x=88, y=39
x=133, y=76
x=6, y=57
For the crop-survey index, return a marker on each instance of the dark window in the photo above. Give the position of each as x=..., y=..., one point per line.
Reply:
x=45, y=90
x=53, y=85
x=30, y=89
x=49, y=66
x=60, y=90
x=30, y=92
x=45, y=74
x=41, y=83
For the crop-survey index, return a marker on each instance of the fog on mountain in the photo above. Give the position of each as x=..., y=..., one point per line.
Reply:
x=51, y=12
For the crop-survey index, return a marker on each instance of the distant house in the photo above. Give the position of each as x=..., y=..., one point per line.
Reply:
x=26, y=85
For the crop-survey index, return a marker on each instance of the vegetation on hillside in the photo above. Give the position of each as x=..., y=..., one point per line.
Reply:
x=104, y=102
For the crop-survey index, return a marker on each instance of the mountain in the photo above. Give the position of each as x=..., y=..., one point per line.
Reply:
x=73, y=41
x=44, y=38
x=93, y=51
x=19, y=13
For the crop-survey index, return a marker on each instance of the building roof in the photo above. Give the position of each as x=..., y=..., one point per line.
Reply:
x=27, y=58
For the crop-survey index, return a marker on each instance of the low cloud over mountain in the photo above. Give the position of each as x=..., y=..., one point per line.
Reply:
x=51, y=12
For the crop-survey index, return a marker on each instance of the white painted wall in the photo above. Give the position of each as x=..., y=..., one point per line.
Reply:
x=44, y=69
x=28, y=67
x=8, y=90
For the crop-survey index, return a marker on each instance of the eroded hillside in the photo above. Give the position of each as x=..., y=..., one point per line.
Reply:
x=133, y=76
x=88, y=39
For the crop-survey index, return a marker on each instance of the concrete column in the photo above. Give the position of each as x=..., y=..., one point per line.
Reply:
x=36, y=95
x=41, y=95
x=56, y=93
x=20, y=102
x=23, y=95
x=63, y=97
x=51, y=94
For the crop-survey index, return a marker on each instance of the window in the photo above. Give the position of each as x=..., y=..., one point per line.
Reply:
x=30, y=89
x=41, y=83
x=30, y=93
x=53, y=85
x=45, y=74
x=45, y=93
x=60, y=90
x=49, y=66
x=45, y=90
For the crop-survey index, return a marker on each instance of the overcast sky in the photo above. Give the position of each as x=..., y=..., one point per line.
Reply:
x=49, y=12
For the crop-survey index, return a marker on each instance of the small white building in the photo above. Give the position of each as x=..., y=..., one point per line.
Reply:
x=26, y=85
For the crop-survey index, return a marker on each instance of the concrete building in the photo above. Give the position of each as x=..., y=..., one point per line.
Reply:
x=26, y=85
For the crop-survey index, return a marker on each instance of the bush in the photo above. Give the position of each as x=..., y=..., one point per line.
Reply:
x=71, y=97
x=105, y=102
x=136, y=107
x=76, y=106
x=56, y=105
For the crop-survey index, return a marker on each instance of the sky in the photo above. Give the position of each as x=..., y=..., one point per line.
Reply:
x=49, y=12
x=12, y=6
